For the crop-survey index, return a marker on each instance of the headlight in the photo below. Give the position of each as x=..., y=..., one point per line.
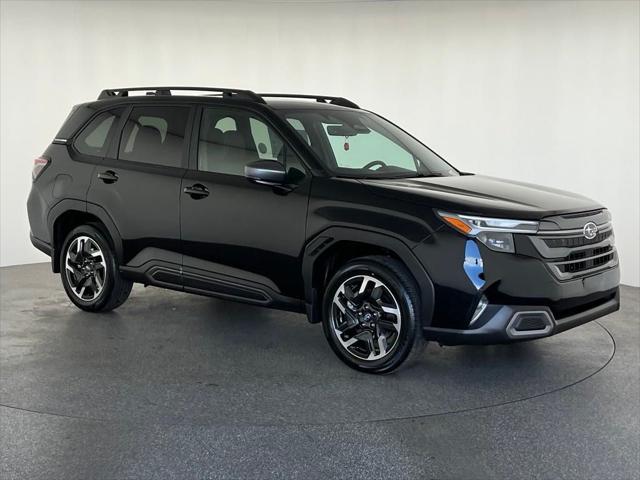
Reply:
x=495, y=233
x=498, y=241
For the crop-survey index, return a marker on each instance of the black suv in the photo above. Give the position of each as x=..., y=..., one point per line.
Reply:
x=310, y=203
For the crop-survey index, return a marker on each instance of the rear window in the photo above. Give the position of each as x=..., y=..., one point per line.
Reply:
x=93, y=139
x=155, y=135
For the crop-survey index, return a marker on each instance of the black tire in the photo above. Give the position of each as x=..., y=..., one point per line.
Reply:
x=396, y=279
x=115, y=289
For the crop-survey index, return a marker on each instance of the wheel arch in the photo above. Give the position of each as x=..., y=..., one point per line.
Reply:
x=332, y=247
x=68, y=214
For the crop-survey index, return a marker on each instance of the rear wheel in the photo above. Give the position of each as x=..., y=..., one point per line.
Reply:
x=90, y=273
x=370, y=314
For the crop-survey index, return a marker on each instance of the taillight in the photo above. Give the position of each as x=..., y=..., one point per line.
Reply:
x=39, y=164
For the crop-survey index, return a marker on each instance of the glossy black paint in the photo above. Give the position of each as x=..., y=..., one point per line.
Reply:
x=245, y=226
x=223, y=235
x=491, y=196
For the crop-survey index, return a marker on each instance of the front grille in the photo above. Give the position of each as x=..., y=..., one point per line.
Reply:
x=586, y=259
x=569, y=254
x=572, y=242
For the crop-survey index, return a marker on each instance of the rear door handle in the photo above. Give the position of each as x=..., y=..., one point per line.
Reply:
x=108, y=177
x=197, y=191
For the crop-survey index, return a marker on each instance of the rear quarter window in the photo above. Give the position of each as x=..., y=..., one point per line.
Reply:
x=93, y=139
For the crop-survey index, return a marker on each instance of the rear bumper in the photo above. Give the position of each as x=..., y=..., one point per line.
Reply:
x=505, y=323
x=41, y=245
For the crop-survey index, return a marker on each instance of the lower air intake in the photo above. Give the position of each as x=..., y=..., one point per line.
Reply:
x=530, y=324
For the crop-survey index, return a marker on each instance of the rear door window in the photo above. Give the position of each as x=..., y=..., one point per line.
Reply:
x=155, y=135
x=93, y=139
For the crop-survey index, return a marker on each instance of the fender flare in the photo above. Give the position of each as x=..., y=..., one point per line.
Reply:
x=327, y=238
x=80, y=206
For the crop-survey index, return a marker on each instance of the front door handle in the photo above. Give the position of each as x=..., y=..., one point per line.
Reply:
x=108, y=177
x=197, y=191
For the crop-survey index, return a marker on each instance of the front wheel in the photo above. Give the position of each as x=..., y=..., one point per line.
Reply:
x=90, y=273
x=370, y=314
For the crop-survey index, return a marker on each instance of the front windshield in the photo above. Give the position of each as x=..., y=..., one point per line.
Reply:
x=360, y=144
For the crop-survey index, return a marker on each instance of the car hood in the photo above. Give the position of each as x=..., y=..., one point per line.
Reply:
x=482, y=195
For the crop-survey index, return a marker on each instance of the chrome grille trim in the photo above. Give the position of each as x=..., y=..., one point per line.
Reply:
x=577, y=232
x=560, y=252
x=559, y=259
x=555, y=267
x=593, y=257
x=577, y=241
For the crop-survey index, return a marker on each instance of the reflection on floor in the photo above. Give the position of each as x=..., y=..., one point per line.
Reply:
x=186, y=386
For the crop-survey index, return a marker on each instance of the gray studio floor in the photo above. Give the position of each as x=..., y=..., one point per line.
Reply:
x=179, y=386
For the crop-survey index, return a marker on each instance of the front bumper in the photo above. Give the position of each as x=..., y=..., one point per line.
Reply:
x=512, y=323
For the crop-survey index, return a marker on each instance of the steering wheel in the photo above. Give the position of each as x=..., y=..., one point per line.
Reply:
x=370, y=165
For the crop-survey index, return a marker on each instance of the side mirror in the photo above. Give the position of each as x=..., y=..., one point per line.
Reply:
x=266, y=172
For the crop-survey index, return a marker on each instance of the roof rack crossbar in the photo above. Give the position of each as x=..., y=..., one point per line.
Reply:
x=225, y=92
x=340, y=101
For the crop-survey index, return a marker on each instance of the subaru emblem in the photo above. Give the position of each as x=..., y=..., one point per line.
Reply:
x=590, y=230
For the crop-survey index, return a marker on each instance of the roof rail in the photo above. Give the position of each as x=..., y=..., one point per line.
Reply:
x=340, y=101
x=225, y=92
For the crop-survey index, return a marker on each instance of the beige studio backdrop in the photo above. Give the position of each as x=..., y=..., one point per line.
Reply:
x=537, y=91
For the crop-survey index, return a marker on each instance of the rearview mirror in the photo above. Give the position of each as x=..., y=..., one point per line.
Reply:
x=265, y=172
x=346, y=130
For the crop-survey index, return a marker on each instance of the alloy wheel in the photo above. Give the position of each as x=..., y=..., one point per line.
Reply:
x=86, y=268
x=366, y=317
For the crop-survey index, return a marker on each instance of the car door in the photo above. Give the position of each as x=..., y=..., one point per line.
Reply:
x=138, y=185
x=241, y=240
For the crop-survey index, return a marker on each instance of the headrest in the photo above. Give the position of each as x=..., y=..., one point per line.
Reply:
x=212, y=135
x=233, y=138
x=148, y=135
